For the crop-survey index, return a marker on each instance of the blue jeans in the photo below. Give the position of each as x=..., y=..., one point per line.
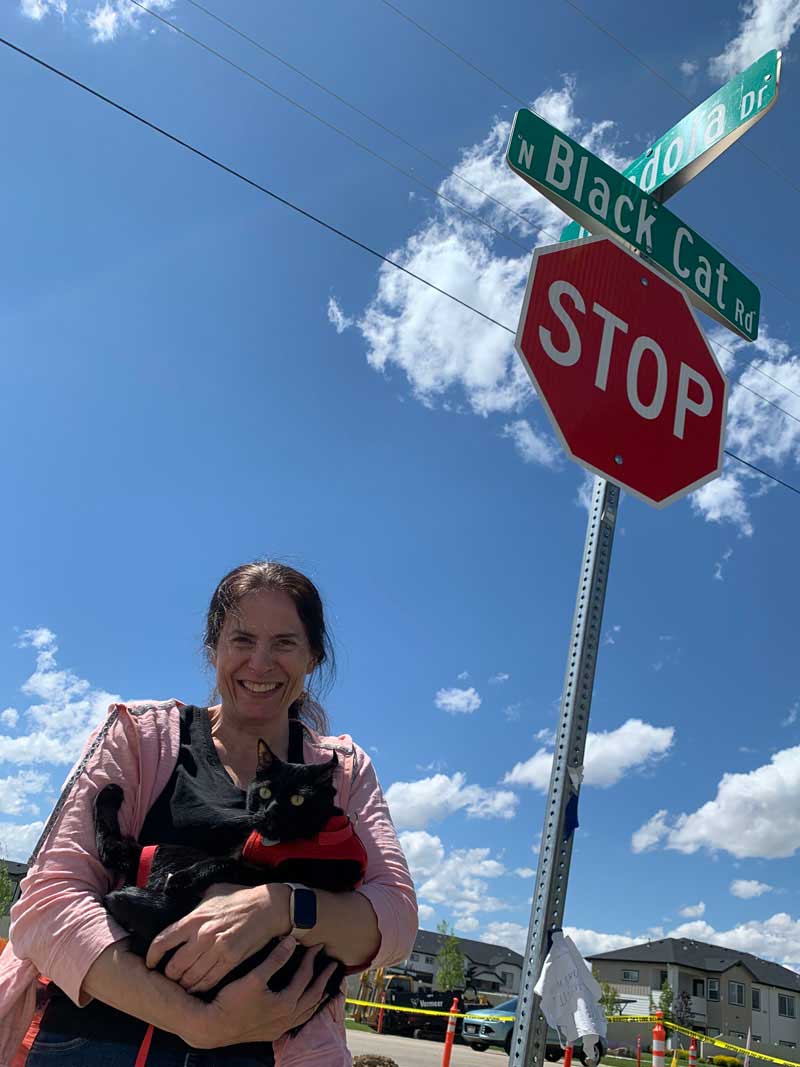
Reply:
x=51, y=1049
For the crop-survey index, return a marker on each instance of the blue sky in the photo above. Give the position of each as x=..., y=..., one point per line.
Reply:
x=194, y=376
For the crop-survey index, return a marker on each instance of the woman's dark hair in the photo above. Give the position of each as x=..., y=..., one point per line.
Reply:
x=269, y=574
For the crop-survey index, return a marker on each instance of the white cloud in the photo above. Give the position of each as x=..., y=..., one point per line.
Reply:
x=416, y=804
x=755, y=431
x=458, y=701
x=609, y=757
x=9, y=717
x=458, y=879
x=693, y=911
x=506, y=934
x=17, y=790
x=740, y=819
x=718, y=566
x=590, y=942
x=776, y=938
x=68, y=709
x=512, y=712
x=337, y=317
x=533, y=446
x=765, y=24
x=440, y=347
x=463, y=676
x=17, y=841
x=748, y=888
x=426, y=913
x=791, y=717
x=37, y=9
x=689, y=67
x=499, y=678
x=105, y=19
x=525, y=872
x=467, y=924
x=653, y=831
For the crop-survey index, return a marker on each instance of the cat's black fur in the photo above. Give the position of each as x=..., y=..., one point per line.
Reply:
x=180, y=875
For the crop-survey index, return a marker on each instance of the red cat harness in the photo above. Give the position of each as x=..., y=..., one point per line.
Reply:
x=338, y=841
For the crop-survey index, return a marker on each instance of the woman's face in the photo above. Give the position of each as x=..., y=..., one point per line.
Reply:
x=262, y=657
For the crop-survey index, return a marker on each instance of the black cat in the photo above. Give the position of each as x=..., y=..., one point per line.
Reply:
x=286, y=802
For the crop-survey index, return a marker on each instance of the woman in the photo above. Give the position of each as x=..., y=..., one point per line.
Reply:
x=184, y=771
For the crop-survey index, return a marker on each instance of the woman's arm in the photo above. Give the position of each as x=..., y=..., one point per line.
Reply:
x=245, y=1010
x=377, y=924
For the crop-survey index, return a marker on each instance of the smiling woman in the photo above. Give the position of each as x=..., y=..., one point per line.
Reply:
x=185, y=772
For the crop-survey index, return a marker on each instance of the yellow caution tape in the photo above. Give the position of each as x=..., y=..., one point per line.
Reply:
x=427, y=1011
x=633, y=1019
x=731, y=1048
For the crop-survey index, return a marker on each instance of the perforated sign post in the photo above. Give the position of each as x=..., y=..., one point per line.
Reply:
x=634, y=393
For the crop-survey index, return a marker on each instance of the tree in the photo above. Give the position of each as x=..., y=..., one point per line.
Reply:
x=450, y=973
x=6, y=889
x=682, y=1009
x=610, y=999
x=665, y=1000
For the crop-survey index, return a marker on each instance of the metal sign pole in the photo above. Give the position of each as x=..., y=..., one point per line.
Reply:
x=561, y=810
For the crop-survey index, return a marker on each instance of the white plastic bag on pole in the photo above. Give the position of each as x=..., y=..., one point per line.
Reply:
x=571, y=997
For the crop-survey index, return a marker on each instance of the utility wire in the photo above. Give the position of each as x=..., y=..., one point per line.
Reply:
x=337, y=129
x=234, y=29
x=301, y=211
x=598, y=26
x=759, y=273
x=363, y=114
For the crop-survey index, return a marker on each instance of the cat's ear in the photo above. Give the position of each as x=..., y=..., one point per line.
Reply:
x=326, y=769
x=332, y=763
x=265, y=756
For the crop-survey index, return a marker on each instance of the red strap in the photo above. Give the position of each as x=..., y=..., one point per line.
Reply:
x=144, y=1048
x=145, y=863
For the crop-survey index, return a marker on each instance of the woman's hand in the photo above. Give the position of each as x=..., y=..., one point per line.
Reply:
x=230, y=924
x=246, y=1010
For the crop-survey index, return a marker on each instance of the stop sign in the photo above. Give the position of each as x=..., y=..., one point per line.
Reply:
x=618, y=359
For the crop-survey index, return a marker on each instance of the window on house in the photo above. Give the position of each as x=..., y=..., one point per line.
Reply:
x=788, y=1044
x=756, y=999
x=757, y=1037
x=786, y=1008
x=506, y=978
x=630, y=976
x=712, y=1030
x=736, y=993
x=738, y=1034
x=698, y=987
x=713, y=990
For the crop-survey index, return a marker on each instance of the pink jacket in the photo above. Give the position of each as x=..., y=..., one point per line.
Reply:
x=59, y=925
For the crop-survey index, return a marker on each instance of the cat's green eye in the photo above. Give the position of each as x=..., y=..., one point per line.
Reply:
x=265, y=792
x=297, y=800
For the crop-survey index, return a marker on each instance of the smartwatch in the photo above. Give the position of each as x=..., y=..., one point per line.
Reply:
x=302, y=909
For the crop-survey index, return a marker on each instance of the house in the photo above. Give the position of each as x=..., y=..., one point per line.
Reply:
x=489, y=968
x=730, y=992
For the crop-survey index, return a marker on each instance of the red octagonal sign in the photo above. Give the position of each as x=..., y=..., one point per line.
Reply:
x=630, y=383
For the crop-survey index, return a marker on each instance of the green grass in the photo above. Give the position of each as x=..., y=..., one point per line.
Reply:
x=351, y=1024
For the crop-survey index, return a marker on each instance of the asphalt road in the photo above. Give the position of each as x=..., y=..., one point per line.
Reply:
x=408, y=1052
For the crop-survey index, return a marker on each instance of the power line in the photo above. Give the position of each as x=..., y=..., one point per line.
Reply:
x=787, y=296
x=337, y=129
x=598, y=26
x=363, y=114
x=301, y=211
x=234, y=29
x=455, y=53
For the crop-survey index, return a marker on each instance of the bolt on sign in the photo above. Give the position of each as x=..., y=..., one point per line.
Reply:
x=702, y=135
x=627, y=378
x=601, y=199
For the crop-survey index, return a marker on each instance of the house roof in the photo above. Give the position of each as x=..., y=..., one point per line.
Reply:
x=704, y=957
x=476, y=951
x=16, y=870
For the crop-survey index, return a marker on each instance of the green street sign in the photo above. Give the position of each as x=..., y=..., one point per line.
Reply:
x=704, y=134
x=604, y=201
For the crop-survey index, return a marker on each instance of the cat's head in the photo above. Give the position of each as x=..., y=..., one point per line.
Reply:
x=291, y=800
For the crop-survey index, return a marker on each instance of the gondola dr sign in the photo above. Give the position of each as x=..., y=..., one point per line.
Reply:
x=631, y=385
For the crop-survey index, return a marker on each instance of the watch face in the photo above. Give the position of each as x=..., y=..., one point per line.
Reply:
x=305, y=908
